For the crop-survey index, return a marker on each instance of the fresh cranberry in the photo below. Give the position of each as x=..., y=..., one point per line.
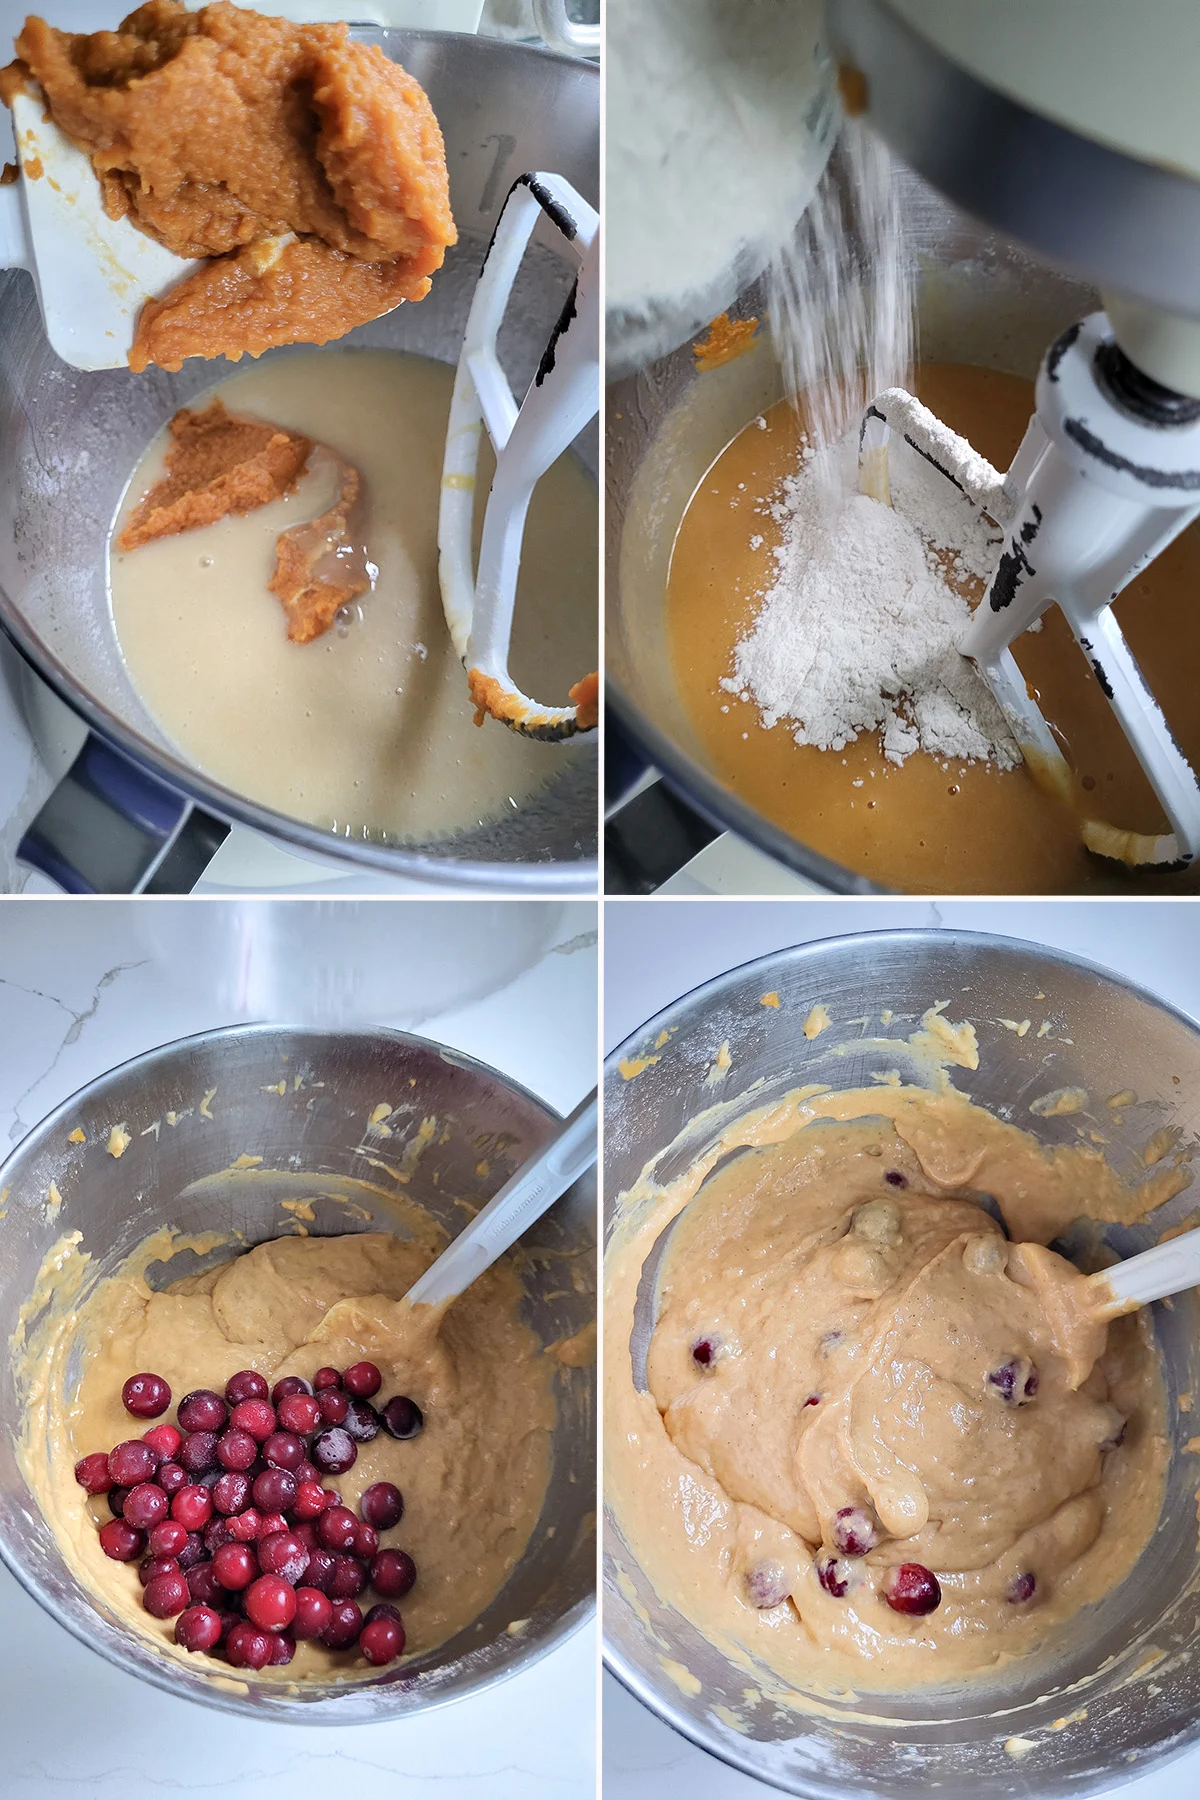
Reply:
x=232, y=1492
x=163, y=1438
x=382, y=1640
x=895, y=1179
x=167, y=1538
x=383, y=1609
x=203, y=1585
x=344, y=1626
x=270, y=1523
x=145, y=1396
x=310, y=1500
x=834, y=1575
x=244, y=1526
x=202, y=1410
x=289, y=1384
x=1021, y=1588
x=336, y=1528
x=283, y=1648
x=334, y=1451
x=92, y=1473
x=362, y=1421
x=283, y=1554
x=314, y=1610
x=300, y=1413
x=257, y=1417
x=855, y=1530
x=283, y=1450
x=236, y=1450
x=166, y=1595
x=192, y=1552
x=121, y=1541
x=171, y=1476
x=271, y=1603
x=912, y=1588
x=306, y=1531
x=198, y=1453
x=319, y=1572
x=216, y=1533
x=403, y=1417
x=767, y=1585
x=362, y=1379
x=235, y=1566
x=145, y=1505
x=274, y=1490
x=1016, y=1381
x=132, y=1462
x=198, y=1628
x=229, y=1619
x=349, y=1578
x=366, y=1542
x=393, y=1573
x=247, y=1384
x=248, y=1648
x=193, y=1507
x=704, y=1352
x=333, y=1406
x=382, y=1505
x=151, y=1567
x=326, y=1378
x=307, y=1471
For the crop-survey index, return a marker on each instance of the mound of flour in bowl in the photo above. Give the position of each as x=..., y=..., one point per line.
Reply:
x=859, y=629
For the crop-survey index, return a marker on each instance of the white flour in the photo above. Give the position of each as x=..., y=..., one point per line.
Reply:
x=859, y=630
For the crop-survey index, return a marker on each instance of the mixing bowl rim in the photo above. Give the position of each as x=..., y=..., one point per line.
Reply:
x=700, y=1735
x=159, y=1675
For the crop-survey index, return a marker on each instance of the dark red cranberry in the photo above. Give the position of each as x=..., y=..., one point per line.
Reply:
x=202, y=1410
x=336, y=1528
x=198, y=1453
x=1015, y=1381
x=912, y=1588
x=274, y=1490
x=171, y=1476
x=834, y=1575
x=145, y=1505
x=256, y=1417
x=300, y=1413
x=1031, y=1383
x=334, y=1451
x=326, y=1378
x=228, y=1619
x=235, y=1566
x=283, y=1450
x=813, y=1400
x=289, y=1384
x=192, y=1552
x=283, y=1554
x=210, y=1478
x=362, y=1421
x=231, y=1493
x=344, y=1626
x=152, y=1566
x=116, y=1498
x=236, y=1450
x=270, y=1603
x=383, y=1609
x=319, y=1572
x=382, y=1640
x=121, y=1541
x=92, y=1474
x=382, y=1505
x=166, y=1595
x=145, y=1396
x=244, y=1526
x=307, y=1471
x=333, y=1406
x=271, y=1522
x=283, y=1648
x=393, y=1573
x=132, y=1462
x=193, y=1507
x=314, y=1610
x=767, y=1585
x=362, y=1379
x=167, y=1538
x=165, y=1439
x=403, y=1417
x=248, y=1648
x=349, y=1578
x=306, y=1531
x=1021, y=1588
x=310, y=1500
x=216, y=1533
x=247, y=1384
x=895, y=1179
x=366, y=1542
x=198, y=1628
x=855, y=1530
x=203, y=1585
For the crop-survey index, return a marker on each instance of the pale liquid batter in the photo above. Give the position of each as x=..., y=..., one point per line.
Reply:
x=852, y=1324
x=924, y=827
x=368, y=731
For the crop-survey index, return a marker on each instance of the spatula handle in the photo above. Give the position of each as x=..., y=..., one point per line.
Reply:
x=1167, y=1269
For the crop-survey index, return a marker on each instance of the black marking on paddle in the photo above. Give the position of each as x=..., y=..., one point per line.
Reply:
x=554, y=210
x=1187, y=479
x=1059, y=349
x=564, y=319
x=1097, y=668
x=1014, y=565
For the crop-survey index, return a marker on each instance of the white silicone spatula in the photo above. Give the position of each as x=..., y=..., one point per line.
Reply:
x=1166, y=1269
x=531, y=1192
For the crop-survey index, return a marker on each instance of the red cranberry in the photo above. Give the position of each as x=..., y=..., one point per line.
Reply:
x=283, y=1450
x=289, y=1384
x=236, y=1450
x=333, y=1406
x=1016, y=1381
x=300, y=1413
x=121, y=1541
x=283, y=1648
x=228, y=1619
x=336, y=1528
x=235, y=1566
x=145, y=1396
x=198, y=1628
x=116, y=1498
x=247, y=1384
x=382, y=1640
x=202, y=1410
x=855, y=1530
x=1021, y=1588
x=167, y=1538
x=366, y=1542
x=306, y=1531
x=310, y=1500
x=403, y=1417
x=271, y=1603
x=362, y=1379
x=319, y=1572
x=895, y=1179
x=314, y=1610
x=247, y=1648
x=813, y=1400
x=393, y=1573
x=334, y=1451
x=171, y=1476
x=382, y=1505
x=383, y=1609
x=274, y=1490
x=166, y=1595
x=216, y=1533
x=834, y=1575
x=256, y=1417
x=283, y=1554
x=145, y=1505
x=232, y=1492
x=193, y=1507
x=343, y=1627
x=270, y=1523
x=192, y=1552
x=306, y=1471
x=704, y=1352
x=163, y=1438
x=326, y=1378
x=132, y=1462
x=912, y=1588
x=244, y=1526
x=349, y=1578
x=203, y=1585
x=198, y=1453
x=91, y=1472
x=153, y=1566
x=362, y=1421
x=767, y=1585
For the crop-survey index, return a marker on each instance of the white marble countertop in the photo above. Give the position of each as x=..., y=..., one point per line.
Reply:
x=85, y=984
x=655, y=951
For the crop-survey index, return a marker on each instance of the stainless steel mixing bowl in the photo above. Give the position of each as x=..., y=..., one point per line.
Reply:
x=313, y=1136
x=68, y=441
x=1106, y=1036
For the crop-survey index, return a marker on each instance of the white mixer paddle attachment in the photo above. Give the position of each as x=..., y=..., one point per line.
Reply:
x=563, y=397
